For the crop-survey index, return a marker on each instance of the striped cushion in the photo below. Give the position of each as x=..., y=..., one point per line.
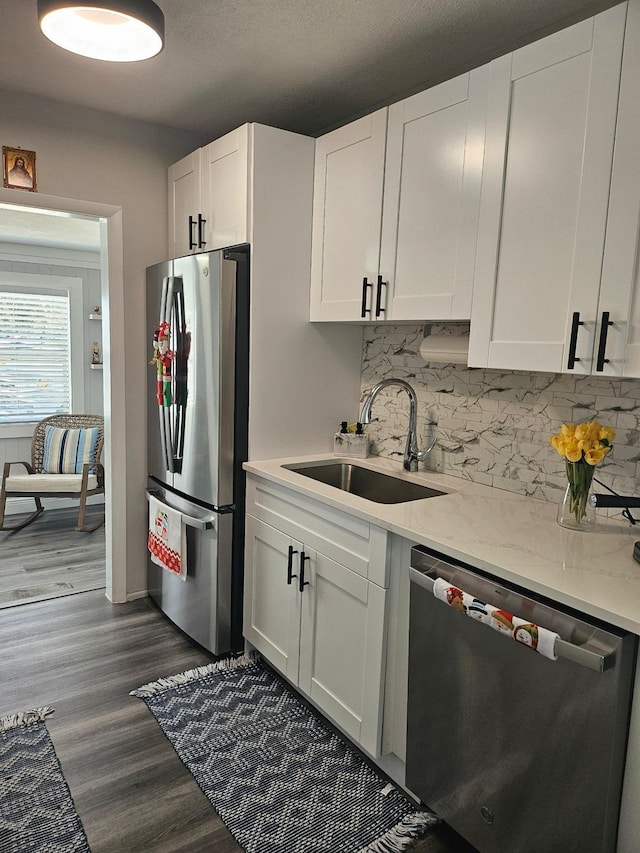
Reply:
x=66, y=450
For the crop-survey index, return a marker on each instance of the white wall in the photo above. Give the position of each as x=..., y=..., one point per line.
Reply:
x=97, y=157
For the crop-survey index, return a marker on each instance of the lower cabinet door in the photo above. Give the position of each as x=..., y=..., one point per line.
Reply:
x=321, y=625
x=271, y=604
x=342, y=642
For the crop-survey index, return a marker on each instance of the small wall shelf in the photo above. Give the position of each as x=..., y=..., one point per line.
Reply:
x=95, y=316
x=96, y=366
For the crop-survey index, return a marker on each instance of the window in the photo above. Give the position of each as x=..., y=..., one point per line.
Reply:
x=40, y=328
x=35, y=356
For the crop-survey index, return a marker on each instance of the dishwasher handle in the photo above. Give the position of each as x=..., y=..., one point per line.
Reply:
x=595, y=660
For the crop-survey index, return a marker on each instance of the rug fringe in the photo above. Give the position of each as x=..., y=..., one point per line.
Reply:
x=193, y=674
x=403, y=834
x=24, y=718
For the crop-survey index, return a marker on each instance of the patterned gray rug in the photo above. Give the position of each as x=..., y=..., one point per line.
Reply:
x=36, y=810
x=280, y=779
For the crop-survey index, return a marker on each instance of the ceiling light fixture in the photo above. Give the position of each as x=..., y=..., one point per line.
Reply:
x=112, y=30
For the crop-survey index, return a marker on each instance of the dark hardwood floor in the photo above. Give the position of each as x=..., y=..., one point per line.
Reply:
x=82, y=655
x=49, y=558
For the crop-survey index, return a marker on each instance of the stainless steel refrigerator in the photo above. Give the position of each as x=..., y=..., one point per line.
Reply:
x=197, y=412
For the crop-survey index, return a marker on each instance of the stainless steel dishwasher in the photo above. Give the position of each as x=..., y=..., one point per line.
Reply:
x=517, y=751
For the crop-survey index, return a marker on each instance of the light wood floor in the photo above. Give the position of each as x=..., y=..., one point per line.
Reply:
x=49, y=558
x=82, y=655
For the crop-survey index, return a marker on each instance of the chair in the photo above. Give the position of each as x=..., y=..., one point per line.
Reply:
x=63, y=465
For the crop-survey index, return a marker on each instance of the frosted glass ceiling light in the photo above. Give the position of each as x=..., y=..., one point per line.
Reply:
x=113, y=30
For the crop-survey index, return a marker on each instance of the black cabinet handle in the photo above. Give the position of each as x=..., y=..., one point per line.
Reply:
x=201, y=222
x=365, y=287
x=290, y=575
x=602, y=346
x=379, y=309
x=301, y=581
x=573, y=341
x=192, y=225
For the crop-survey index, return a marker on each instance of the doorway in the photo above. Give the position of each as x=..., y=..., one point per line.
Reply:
x=109, y=218
x=51, y=352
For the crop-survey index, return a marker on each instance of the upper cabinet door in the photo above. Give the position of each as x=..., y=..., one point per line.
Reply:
x=225, y=185
x=620, y=286
x=347, y=218
x=549, y=145
x=185, y=205
x=435, y=149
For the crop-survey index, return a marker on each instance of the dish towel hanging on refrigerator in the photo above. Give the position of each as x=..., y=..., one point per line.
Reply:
x=167, y=541
x=533, y=636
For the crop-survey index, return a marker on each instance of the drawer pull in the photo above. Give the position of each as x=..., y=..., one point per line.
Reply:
x=301, y=581
x=379, y=309
x=290, y=575
x=192, y=225
x=201, y=223
x=573, y=341
x=604, y=330
x=365, y=287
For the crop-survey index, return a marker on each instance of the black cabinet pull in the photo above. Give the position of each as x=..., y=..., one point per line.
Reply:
x=201, y=222
x=365, y=287
x=301, y=581
x=192, y=225
x=290, y=575
x=573, y=341
x=602, y=346
x=379, y=309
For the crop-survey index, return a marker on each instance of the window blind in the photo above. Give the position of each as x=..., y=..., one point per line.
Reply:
x=35, y=356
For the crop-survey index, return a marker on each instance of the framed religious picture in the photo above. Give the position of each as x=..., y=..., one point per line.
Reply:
x=19, y=168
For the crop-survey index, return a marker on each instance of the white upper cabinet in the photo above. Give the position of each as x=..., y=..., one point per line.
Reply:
x=618, y=354
x=186, y=231
x=225, y=189
x=347, y=219
x=435, y=147
x=396, y=208
x=255, y=185
x=551, y=127
x=208, y=196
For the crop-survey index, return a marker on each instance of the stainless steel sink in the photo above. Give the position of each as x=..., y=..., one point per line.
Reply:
x=363, y=482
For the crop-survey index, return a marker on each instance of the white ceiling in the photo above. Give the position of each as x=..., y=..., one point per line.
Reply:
x=304, y=65
x=46, y=228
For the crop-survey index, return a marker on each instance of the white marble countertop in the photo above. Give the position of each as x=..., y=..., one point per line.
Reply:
x=513, y=537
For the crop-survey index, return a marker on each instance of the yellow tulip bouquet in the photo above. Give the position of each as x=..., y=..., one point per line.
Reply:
x=583, y=446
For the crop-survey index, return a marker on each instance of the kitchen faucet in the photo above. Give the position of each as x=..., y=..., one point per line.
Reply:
x=411, y=453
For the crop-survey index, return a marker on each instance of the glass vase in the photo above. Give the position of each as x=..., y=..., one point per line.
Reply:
x=576, y=511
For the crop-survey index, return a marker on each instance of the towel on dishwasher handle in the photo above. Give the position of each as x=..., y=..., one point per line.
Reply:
x=167, y=542
x=534, y=636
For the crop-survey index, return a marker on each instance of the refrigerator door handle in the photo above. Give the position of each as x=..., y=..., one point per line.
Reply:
x=181, y=349
x=164, y=412
x=202, y=522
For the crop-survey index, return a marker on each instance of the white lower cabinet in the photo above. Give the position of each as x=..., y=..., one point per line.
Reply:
x=311, y=610
x=394, y=726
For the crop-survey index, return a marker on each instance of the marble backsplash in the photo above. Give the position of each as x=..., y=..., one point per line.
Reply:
x=493, y=426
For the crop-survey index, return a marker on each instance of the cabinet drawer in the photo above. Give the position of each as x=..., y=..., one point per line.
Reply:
x=348, y=540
